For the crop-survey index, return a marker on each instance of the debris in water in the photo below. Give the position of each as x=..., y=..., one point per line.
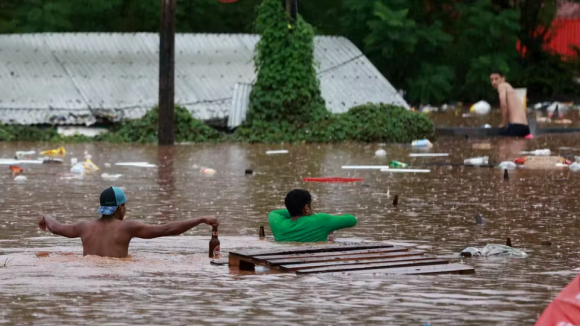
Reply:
x=506, y=176
x=546, y=243
x=493, y=250
x=283, y=151
x=381, y=153
x=207, y=171
x=396, y=200
x=54, y=152
x=20, y=178
x=479, y=219
x=249, y=172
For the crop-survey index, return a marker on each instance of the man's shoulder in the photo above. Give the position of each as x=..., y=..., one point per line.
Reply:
x=506, y=86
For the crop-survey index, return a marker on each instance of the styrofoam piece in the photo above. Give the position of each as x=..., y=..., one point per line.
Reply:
x=137, y=164
x=428, y=154
x=406, y=170
x=4, y=161
x=283, y=151
x=364, y=167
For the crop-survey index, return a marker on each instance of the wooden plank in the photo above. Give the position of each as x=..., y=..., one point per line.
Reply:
x=372, y=266
x=397, y=257
x=277, y=262
x=322, y=254
x=419, y=270
x=311, y=249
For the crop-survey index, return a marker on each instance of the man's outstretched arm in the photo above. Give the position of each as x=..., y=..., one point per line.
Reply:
x=66, y=230
x=144, y=231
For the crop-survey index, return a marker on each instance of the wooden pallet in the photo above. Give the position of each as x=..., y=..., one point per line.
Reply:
x=360, y=258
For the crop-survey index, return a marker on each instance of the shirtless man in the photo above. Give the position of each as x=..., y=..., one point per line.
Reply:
x=511, y=106
x=110, y=236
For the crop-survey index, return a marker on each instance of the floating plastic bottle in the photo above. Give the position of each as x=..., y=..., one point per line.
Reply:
x=484, y=160
x=422, y=143
x=24, y=154
x=539, y=152
x=397, y=164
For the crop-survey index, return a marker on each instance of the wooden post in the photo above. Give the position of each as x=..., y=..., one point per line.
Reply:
x=166, y=135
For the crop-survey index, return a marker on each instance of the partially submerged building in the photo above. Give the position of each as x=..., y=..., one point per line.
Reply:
x=80, y=78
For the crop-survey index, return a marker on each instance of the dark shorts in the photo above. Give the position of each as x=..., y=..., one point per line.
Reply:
x=515, y=130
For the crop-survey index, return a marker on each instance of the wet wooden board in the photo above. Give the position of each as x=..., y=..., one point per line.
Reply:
x=359, y=258
x=336, y=258
x=327, y=253
x=396, y=257
x=311, y=249
x=381, y=266
x=419, y=270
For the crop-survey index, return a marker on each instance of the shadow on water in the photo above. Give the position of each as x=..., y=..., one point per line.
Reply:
x=169, y=281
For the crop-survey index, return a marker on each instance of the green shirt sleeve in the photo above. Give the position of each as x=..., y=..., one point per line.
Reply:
x=337, y=222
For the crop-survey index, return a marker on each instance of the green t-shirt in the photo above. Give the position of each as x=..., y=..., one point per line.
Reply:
x=307, y=228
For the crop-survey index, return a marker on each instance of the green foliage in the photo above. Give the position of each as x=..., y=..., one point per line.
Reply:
x=286, y=95
x=144, y=130
x=30, y=133
x=384, y=123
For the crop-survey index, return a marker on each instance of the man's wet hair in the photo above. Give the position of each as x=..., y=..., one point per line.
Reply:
x=296, y=200
x=497, y=71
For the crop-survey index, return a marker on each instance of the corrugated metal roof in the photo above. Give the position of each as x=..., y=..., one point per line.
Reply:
x=72, y=76
x=240, y=104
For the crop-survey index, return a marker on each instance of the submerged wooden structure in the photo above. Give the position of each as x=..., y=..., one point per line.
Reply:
x=342, y=258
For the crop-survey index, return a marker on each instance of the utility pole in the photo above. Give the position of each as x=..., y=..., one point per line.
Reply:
x=166, y=134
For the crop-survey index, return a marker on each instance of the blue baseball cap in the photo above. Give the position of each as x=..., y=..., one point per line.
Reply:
x=111, y=198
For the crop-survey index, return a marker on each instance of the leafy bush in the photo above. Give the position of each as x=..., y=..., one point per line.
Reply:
x=144, y=130
x=30, y=133
x=385, y=123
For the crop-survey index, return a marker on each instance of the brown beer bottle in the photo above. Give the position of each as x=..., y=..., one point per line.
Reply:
x=214, y=244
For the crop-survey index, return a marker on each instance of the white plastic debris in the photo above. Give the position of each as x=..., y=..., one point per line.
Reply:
x=574, y=167
x=507, y=165
x=23, y=154
x=484, y=160
x=480, y=108
x=428, y=154
x=381, y=153
x=364, y=167
x=539, y=152
x=283, y=151
x=137, y=164
x=207, y=171
x=422, y=143
x=495, y=250
x=406, y=170
x=4, y=161
x=21, y=178
x=486, y=126
x=107, y=165
x=78, y=168
x=111, y=177
x=74, y=161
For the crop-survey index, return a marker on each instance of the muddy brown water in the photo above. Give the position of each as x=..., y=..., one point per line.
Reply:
x=169, y=281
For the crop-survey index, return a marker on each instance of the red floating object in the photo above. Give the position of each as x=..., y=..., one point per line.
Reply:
x=565, y=309
x=332, y=179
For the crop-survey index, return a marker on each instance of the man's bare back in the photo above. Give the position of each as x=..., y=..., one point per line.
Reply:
x=110, y=235
x=514, y=105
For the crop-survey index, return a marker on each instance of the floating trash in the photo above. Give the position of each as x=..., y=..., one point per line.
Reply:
x=277, y=152
x=24, y=154
x=428, y=154
x=111, y=177
x=21, y=178
x=54, y=152
x=364, y=167
x=406, y=170
x=422, y=143
x=507, y=165
x=137, y=164
x=538, y=152
x=480, y=108
x=476, y=161
x=494, y=250
x=207, y=171
x=381, y=153
x=332, y=180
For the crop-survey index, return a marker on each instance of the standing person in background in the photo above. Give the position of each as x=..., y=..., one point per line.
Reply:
x=298, y=223
x=513, y=114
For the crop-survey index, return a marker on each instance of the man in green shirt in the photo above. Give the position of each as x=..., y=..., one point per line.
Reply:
x=298, y=223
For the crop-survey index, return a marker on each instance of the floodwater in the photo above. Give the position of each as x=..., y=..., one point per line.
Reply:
x=169, y=281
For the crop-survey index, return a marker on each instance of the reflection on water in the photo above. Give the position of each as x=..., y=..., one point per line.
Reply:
x=170, y=281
